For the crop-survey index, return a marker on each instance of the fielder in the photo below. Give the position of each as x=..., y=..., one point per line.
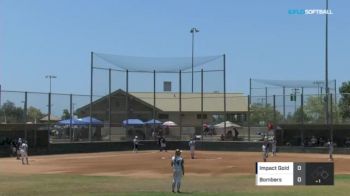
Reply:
x=264, y=152
x=330, y=150
x=274, y=147
x=24, y=152
x=162, y=143
x=192, y=145
x=177, y=163
x=18, y=146
x=136, y=144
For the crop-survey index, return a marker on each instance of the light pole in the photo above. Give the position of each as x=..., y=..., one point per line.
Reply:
x=50, y=77
x=193, y=31
x=326, y=76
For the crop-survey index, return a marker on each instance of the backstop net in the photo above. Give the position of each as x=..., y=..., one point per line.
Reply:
x=150, y=97
x=291, y=101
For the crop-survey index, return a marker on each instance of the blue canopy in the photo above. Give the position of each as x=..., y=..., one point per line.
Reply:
x=68, y=121
x=153, y=121
x=133, y=122
x=86, y=120
x=81, y=121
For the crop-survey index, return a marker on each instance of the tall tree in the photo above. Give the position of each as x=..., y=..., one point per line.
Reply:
x=11, y=113
x=344, y=102
x=34, y=114
x=314, y=109
x=263, y=114
x=66, y=114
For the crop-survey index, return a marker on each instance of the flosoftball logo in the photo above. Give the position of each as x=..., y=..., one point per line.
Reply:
x=309, y=12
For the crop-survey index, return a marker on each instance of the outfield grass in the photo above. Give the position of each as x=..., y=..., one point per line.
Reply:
x=60, y=184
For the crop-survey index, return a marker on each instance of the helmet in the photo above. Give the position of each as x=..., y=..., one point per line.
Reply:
x=178, y=152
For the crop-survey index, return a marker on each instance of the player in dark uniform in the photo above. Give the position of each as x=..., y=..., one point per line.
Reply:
x=162, y=144
x=18, y=145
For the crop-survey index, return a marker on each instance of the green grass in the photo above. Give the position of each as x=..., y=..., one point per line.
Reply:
x=59, y=184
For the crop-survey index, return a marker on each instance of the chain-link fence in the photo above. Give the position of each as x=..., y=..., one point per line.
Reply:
x=69, y=118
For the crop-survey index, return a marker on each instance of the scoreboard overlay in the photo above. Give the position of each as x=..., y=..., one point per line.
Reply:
x=294, y=173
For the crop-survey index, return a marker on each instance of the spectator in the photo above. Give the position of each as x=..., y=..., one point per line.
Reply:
x=314, y=141
x=236, y=133
x=222, y=137
x=229, y=135
x=347, y=142
x=321, y=141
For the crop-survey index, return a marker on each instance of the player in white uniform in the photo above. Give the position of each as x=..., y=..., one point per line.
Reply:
x=136, y=144
x=330, y=150
x=192, y=145
x=264, y=152
x=177, y=163
x=24, y=152
x=274, y=146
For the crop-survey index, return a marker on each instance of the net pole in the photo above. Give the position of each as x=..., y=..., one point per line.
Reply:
x=180, y=106
x=274, y=109
x=126, y=98
x=302, y=115
x=154, y=102
x=202, y=103
x=71, y=116
x=110, y=103
x=25, y=114
x=331, y=117
x=265, y=97
x=249, y=103
x=225, y=112
x=49, y=114
x=91, y=91
x=326, y=69
x=284, y=103
x=335, y=101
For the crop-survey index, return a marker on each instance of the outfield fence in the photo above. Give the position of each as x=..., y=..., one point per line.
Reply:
x=46, y=111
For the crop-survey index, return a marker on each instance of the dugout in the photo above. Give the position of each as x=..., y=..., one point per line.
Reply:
x=293, y=133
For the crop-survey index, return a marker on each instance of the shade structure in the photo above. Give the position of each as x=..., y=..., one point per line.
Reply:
x=68, y=122
x=228, y=124
x=153, y=122
x=169, y=123
x=133, y=122
x=52, y=118
x=88, y=119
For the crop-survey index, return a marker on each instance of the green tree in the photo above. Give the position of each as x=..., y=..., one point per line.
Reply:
x=314, y=109
x=34, y=114
x=11, y=114
x=299, y=116
x=66, y=114
x=344, y=102
x=261, y=113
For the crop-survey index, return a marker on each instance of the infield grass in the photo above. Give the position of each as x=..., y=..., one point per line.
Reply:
x=66, y=184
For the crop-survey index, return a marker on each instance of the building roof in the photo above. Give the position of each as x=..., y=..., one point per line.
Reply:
x=191, y=102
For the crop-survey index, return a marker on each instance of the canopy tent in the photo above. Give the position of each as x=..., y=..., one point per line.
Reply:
x=80, y=121
x=169, y=123
x=133, y=122
x=153, y=122
x=228, y=124
x=74, y=121
x=89, y=119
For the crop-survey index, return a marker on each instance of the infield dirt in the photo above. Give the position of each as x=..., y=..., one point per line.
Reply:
x=155, y=164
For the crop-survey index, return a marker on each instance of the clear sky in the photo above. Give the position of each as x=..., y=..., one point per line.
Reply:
x=259, y=37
